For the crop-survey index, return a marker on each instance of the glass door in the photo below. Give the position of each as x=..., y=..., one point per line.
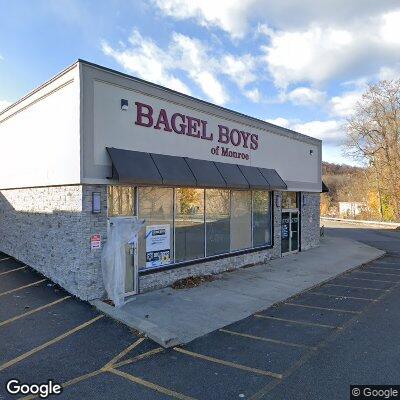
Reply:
x=290, y=232
x=285, y=232
x=294, y=231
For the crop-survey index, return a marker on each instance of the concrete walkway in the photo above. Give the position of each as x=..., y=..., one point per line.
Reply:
x=172, y=317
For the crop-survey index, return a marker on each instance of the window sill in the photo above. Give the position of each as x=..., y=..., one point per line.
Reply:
x=149, y=271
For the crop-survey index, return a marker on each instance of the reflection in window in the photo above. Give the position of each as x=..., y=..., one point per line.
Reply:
x=121, y=201
x=217, y=221
x=289, y=200
x=240, y=219
x=156, y=207
x=189, y=224
x=261, y=218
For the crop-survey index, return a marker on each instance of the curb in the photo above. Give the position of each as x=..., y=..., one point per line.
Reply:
x=150, y=329
x=395, y=225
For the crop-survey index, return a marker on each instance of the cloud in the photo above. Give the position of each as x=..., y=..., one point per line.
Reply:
x=280, y=122
x=240, y=69
x=318, y=53
x=330, y=131
x=345, y=104
x=253, y=94
x=389, y=73
x=237, y=16
x=4, y=104
x=147, y=60
x=229, y=15
x=304, y=96
x=190, y=57
x=191, y=54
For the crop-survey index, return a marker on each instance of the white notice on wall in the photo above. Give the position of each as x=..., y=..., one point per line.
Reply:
x=158, y=245
x=95, y=242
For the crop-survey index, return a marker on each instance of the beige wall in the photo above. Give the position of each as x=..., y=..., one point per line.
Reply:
x=106, y=125
x=40, y=136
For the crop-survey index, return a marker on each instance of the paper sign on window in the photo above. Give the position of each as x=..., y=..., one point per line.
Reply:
x=158, y=245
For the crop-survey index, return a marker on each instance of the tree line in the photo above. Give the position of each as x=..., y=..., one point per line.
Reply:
x=373, y=140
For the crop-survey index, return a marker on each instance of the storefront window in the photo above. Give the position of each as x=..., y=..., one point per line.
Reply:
x=189, y=224
x=240, y=219
x=217, y=221
x=121, y=201
x=261, y=218
x=289, y=200
x=186, y=224
x=156, y=239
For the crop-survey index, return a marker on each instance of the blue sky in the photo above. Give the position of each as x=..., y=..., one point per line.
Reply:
x=302, y=65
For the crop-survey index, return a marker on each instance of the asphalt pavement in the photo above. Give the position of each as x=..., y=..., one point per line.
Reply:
x=311, y=346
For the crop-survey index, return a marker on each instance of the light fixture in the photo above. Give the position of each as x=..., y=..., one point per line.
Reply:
x=96, y=202
x=311, y=152
x=124, y=104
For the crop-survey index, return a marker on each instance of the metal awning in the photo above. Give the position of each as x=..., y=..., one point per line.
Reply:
x=134, y=167
x=254, y=177
x=273, y=178
x=206, y=173
x=232, y=175
x=141, y=168
x=173, y=170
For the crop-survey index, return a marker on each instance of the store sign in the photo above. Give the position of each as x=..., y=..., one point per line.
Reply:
x=181, y=124
x=158, y=245
x=285, y=228
x=95, y=242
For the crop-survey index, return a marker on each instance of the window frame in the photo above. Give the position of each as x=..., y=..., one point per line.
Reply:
x=252, y=249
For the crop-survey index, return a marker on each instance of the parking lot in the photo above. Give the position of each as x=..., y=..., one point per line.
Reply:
x=47, y=334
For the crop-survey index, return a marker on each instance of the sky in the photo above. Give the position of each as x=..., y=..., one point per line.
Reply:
x=298, y=64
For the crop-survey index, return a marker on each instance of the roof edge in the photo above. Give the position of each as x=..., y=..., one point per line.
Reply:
x=140, y=80
x=40, y=87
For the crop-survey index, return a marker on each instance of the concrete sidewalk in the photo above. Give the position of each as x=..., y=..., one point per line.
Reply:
x=172, y=317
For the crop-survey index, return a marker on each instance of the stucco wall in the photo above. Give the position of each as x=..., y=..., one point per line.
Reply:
x=49, y=229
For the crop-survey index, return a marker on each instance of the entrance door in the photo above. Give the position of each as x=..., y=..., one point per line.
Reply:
x=290, y=232
x=131, y=271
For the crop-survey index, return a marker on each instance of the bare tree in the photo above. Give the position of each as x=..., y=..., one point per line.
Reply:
x=373, y=135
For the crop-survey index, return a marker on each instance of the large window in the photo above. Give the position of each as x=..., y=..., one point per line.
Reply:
x=240, y=219
x=121, y=201
x=156, y=239
x=261, y=218
x=217, y=221
x=185, y=224
x=189, y=224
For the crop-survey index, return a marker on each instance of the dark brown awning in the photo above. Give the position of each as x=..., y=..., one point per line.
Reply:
x=134, y=167
x=254, y=177
x=206, y=173
x=273, y=178
x=141, y=168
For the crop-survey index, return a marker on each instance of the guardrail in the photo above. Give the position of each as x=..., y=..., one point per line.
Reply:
x=395, y=225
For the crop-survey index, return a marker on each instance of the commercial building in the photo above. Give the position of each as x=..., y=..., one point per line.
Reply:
x=217, y=189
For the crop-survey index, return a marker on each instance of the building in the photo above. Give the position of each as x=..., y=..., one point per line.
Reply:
x=350, y=209
x=217, y=189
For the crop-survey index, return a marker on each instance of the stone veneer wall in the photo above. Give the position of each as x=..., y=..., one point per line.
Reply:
x=165, y=278
x=49, y=229
x=310, y=213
